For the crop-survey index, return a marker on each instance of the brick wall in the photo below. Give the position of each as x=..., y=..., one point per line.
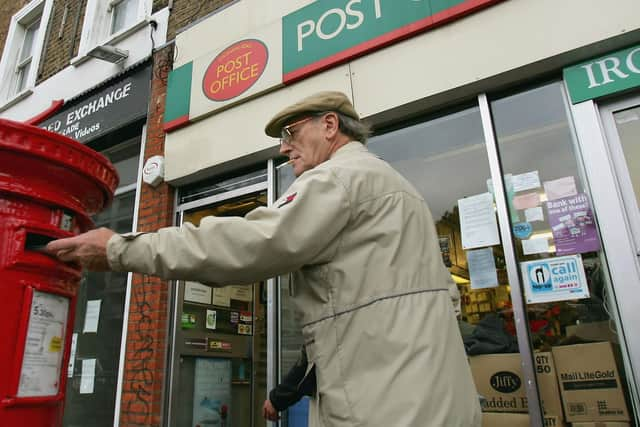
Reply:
x=8, y=8
x=64, y=37
x=146, y=351
x=186, y=12
x=159, y=4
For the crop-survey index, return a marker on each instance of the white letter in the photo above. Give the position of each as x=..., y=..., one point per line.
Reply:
x=614, y=68
x=356, y=13
x=301, y=35
x=343, y=20
x=378, y=11
x=630, y=65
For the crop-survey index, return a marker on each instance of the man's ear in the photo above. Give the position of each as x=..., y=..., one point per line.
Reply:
x=332, y=124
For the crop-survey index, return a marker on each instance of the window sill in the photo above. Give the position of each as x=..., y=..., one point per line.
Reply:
x=111, y=40
x=17, y=98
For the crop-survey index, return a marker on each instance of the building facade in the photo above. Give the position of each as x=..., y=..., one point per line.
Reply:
x=515, y=119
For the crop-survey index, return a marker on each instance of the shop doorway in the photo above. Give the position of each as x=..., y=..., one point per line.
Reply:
x=219, y=358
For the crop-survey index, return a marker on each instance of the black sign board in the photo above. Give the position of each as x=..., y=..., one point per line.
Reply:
x=91, y=116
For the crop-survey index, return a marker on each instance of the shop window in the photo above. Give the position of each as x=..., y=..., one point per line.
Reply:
x=97, y=333
x=23, y=48
x=108, y=22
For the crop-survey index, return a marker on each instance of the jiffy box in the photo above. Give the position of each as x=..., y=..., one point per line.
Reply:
x=589, y=383
x=499, y=380
x=502, y=419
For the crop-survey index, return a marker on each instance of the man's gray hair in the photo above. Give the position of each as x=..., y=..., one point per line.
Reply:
x=354, y=129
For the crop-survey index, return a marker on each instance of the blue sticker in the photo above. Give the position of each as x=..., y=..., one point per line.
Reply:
x=522, y=230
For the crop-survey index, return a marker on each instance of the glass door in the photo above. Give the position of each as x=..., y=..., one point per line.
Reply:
x=570, y=299
x=219, y=352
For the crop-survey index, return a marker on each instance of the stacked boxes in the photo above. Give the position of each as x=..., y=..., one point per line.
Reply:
x=577, y=383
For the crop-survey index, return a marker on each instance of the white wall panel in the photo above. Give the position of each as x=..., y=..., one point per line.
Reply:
x=504, y=37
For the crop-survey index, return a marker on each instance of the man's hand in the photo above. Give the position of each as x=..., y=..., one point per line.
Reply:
x=269, y=412
x=88, y=249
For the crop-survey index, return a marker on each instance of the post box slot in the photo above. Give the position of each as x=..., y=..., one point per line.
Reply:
x=36, y=242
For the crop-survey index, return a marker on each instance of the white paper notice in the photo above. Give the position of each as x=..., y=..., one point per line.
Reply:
x=72, y=355
x=526, y=181
x=534, y=214
x=241, y=293
x=88, y=376
x=535, y=246
x=482, y=268
x=222, y=296
x=478, y=223
x=559, y=188
x=197, y=292
x=92, y=316
x=42, y=361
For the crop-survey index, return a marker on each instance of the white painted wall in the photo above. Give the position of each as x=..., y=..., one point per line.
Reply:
x=78, y=78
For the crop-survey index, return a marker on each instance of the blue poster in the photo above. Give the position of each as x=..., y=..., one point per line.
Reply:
x=554, y=279
x=212, y=393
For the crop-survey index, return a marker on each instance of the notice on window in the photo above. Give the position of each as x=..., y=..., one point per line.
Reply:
x=222, y=296
x=538, y=245
x=92, y=316
x=241, y=293
x=197, y=292
x=554, y=279
x=534, y=214
x=526, y=181
x=526, y=201
x=212, y=392
x=573, y=226
x=72, y=356
x=87, y=380
x=482, y=268
x=478, y=224
x=42, y=363
x=559, y=188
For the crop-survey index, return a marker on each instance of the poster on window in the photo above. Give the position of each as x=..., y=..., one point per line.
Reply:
x=572, y=224
x=212, y=393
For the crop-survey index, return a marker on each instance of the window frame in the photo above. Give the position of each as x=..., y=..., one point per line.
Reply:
x=98, y=24
x=10, y=63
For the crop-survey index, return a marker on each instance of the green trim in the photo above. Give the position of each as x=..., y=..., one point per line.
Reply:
x=178, y=93
x=603, y=76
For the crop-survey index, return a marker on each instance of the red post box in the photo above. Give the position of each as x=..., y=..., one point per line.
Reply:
x=49, y=186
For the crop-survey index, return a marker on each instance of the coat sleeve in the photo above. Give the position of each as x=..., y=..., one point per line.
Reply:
x=301, y=228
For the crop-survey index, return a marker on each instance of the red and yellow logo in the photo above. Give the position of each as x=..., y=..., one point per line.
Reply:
x=235, y=70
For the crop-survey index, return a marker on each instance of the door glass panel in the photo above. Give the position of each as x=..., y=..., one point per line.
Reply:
x=91, y=395
x=290, y=333
x=628, y=126
x=562, y=265
x=445, y=158
x=221, y=343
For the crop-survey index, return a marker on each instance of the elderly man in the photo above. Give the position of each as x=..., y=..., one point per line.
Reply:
x=373, y=295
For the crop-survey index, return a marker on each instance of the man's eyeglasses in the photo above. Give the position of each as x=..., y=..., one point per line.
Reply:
x=286, y=134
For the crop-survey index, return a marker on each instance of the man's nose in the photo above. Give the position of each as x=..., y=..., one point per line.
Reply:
x=284, y=148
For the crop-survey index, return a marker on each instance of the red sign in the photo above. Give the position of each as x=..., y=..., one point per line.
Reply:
x=235, y=70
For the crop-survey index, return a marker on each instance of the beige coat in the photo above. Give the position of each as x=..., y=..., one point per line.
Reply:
x=373, y=294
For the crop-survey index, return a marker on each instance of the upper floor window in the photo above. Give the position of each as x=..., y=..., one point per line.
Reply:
x=108, y=21
x=23, y=48
x=123, y=14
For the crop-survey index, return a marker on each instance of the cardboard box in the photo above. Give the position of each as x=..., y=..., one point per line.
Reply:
x=602, y=424
x=589, y=383
x=503, y=419
x=498, y=378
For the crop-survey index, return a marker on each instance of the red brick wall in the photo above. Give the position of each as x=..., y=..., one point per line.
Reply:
x=186, y=12
x=146, y=352
x=64, y=37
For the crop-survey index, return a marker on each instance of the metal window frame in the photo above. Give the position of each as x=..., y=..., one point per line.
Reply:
x=617, y=238
x=511, y=262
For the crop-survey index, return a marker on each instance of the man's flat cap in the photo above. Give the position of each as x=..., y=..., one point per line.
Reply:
x=317, y=103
